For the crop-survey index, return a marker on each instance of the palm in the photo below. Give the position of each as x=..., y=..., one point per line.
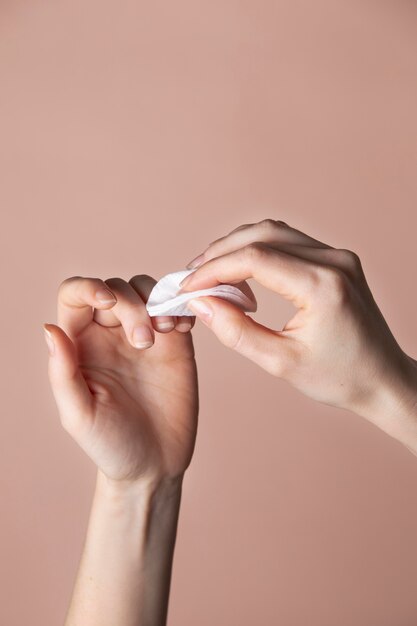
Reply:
x=145, y=403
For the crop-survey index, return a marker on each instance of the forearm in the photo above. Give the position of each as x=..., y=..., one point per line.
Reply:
x=393, y=404
x=125, y=570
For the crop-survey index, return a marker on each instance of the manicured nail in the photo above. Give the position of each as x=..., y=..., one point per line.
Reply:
x=195, y=262
x=142, y=337
x=49, y=341
x=104, y=296
x=202, y=310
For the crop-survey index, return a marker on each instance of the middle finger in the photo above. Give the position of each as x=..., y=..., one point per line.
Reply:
x=143, y=284
x=130, y=311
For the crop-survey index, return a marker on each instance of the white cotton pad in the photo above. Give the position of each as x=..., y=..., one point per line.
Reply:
x=163, y=299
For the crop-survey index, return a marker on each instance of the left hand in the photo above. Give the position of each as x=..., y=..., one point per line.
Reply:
x=132, y=409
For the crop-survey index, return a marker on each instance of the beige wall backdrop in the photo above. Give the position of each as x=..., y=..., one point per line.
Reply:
x=131, y=135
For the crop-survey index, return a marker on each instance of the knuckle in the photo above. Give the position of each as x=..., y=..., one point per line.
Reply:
x=349, y=259
x=268, y=221
x=268, y=225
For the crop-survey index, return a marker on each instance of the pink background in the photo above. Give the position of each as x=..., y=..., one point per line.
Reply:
x=132, y=134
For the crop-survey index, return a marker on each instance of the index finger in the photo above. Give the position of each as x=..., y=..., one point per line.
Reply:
x=288, y=275
x=77, y=298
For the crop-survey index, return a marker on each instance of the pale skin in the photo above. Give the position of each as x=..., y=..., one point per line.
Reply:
x=134, y=410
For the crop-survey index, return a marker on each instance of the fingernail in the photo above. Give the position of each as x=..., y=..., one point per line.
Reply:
x=165, y=325
x=183, y=326
x=195, y=262
x=142, y=337
x=104, y=296
x=183, y=284
x=49, y=341
x=202, y=310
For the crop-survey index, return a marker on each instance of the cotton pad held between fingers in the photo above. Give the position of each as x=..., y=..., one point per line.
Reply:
x=165, y=300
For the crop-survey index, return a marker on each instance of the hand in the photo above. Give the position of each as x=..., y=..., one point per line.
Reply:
x=133, y=410
x=337, y=348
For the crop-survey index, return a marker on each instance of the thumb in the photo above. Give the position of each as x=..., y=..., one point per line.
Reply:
x=70, y=390
x=266, y=347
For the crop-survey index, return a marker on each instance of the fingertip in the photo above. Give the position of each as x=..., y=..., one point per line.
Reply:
x=183, y=324
x=202, y=309
x=105, y=298
x=49, y=338
x=163, y=323
x=143, y=337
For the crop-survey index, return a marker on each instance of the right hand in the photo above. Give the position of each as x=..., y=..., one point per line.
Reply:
x=337, y=348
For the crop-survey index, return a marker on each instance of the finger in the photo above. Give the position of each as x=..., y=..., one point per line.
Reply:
x=71, y=392
x=292, y=277
x=184, y=323
x=268, y=230
x=76, y=298
x=131, y=312
x=143, y=285
x=163, y=323
x=270, y=349
x=283, y=231
x=345, y=260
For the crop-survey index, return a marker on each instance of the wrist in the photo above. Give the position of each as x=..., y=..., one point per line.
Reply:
x=393, y=404
x=163, y=488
